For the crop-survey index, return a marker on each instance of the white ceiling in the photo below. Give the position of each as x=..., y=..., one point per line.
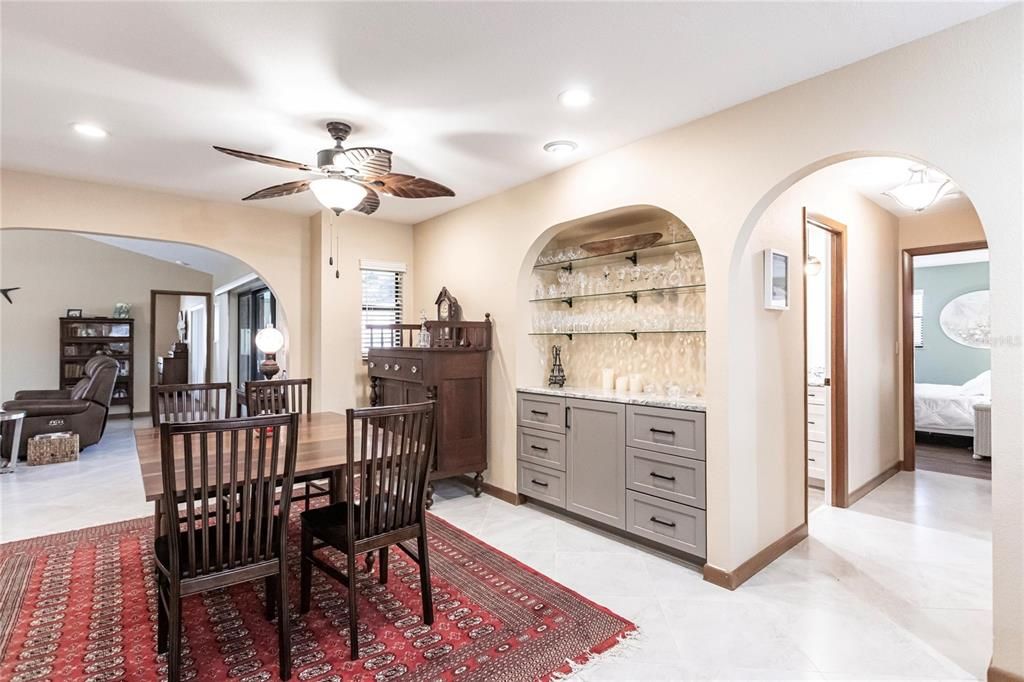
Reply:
x=871, y=176
x=464, y=93
x=195, y=257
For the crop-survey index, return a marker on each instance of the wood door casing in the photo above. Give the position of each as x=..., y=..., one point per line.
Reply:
x=596, y=461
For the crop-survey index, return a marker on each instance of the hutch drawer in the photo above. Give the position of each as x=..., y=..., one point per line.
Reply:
x=404, y=369
x=677, y=479
x=541, y=412
x=542, y=447
x=672, y=432
x=675, y=525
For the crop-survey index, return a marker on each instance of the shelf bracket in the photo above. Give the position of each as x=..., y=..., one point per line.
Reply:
x=632, y=258
x=633, y=334
x=567, y=301
x=632, y=295
x=569, y=266
x=569, y=335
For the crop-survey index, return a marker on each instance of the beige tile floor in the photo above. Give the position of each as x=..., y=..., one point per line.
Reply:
x=897, y=587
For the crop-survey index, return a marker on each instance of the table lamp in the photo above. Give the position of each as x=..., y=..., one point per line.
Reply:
x=270, y=341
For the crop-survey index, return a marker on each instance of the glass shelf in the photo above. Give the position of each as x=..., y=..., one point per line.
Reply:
x=628, y=332
x=633, y=294
x=683, y=246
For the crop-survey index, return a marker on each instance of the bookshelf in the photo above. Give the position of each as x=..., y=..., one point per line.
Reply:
x=83, y=337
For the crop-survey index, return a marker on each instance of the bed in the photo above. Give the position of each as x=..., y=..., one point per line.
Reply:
x=948, y=409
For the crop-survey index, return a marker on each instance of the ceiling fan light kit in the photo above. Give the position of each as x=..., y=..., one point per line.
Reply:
x=347, y=179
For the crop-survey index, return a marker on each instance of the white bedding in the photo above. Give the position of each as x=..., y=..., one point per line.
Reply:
x=945, y=408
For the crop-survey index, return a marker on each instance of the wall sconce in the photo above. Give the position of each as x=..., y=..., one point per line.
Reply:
x=813, y=266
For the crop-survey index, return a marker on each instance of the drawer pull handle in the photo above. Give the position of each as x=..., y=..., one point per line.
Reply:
x=670, y=524
x=811, y=423
x=397, y=367
x=663, y=431
x=540, y=483
x=539, y=448
x=662, y=476
x=372, y=364
x=543, y=414
x=387, y=365
x=414, y=369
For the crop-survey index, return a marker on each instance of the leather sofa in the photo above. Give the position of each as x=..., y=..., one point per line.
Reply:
x=82, y=409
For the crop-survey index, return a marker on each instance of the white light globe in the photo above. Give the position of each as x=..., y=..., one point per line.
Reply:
x=269, y=340
x=338, y=195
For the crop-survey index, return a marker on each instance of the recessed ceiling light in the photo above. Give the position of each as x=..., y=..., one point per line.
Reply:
x=181, y=262
x=575, y=98
x=560, y=146
x=89, y=130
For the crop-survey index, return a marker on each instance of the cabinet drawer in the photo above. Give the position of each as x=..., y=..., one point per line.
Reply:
x=542, y=447
x=542, y=483
x=673, y=432
x=816, y=429
x=816, y=412
x=816, y=395
x=815, y=449
x=677, y=479
x=668, y=523
x=541, y=412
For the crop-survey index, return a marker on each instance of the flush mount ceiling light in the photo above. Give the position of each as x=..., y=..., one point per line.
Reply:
x=575, y=98
x=560, y=146
x=182, y=263
x=920, y=190
x=89, y=130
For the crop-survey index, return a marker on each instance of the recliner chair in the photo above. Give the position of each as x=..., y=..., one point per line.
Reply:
x=82, y=409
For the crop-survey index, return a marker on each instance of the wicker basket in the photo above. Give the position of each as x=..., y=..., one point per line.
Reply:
x=51, y=450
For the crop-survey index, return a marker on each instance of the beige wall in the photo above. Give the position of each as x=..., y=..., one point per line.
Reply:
x=275, y=244
x=340, y=374
x=57, y=271
x=719, y=174
x=937, y=227
x=777, y=384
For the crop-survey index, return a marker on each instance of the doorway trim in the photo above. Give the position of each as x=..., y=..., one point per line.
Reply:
x=153, y=293
x=838, y=448
x=907, y=346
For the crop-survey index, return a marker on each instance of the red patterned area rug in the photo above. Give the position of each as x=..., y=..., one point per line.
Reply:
x=82, y=606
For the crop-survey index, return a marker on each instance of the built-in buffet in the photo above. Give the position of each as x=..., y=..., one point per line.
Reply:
x=627, y=463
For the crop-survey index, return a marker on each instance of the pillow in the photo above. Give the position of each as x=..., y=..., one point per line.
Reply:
x=979, y=385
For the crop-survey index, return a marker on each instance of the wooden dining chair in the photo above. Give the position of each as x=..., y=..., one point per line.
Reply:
x=242, y=462
x=392, y=463
x=189, y=402
x=283, y=396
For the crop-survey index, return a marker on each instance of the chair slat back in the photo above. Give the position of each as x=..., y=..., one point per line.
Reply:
x=279, y=396
x=395, y=452
x=230, y=471
x=189, y=402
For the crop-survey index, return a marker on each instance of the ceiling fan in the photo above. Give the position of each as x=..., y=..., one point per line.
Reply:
x=348, y=179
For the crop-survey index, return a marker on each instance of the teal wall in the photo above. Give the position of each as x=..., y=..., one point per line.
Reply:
x=943, y=360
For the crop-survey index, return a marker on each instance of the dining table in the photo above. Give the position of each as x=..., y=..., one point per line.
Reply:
x=321, y=454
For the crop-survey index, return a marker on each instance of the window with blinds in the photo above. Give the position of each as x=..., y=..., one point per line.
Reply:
x=918, y=316
x=382, y=301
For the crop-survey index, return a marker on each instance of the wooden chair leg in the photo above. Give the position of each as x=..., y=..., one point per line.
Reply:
x=284, y=625
x=353, y=614
x=270, y=596
x=161, y=615
x=383, y=565
x=307, y=497
x=428, y=596
x=174, y=630
x=306, y=570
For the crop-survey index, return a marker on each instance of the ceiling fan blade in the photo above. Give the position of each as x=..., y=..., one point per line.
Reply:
x=280, y=190
x=409, y=186
x=260, y=158
x=369, y=161
x=370, y=204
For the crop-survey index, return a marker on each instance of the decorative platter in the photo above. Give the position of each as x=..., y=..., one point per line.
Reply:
x=616, y=244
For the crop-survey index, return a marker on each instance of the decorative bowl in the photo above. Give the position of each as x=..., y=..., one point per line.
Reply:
x=616, y=244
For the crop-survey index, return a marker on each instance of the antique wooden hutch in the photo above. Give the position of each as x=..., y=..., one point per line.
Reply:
x=453, y=371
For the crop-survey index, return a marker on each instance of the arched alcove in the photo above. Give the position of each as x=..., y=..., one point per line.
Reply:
x=638, y=310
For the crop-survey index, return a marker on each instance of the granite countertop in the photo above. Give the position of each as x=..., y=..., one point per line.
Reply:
x=648, y=399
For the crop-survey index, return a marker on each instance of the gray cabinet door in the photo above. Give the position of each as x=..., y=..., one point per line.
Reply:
x=596, y=461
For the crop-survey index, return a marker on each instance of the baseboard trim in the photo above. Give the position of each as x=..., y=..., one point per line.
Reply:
x=494, y=491
x=873, y=483
x=999, y=675
x=127, y=415
x=730, y=580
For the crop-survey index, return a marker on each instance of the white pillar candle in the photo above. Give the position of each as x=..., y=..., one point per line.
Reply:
x=607, y=378
x=621, y=384
x=635, y=385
